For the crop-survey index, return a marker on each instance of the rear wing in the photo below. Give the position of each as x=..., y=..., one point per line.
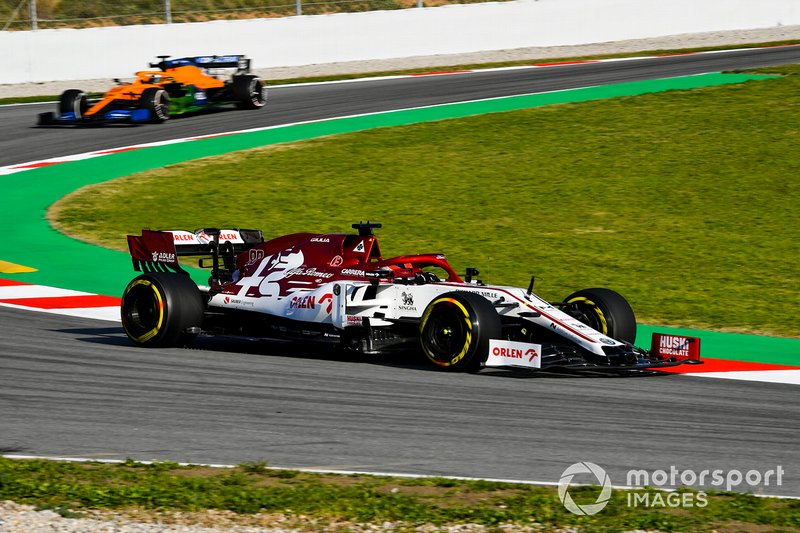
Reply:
x=238, y=61
x=158, y=251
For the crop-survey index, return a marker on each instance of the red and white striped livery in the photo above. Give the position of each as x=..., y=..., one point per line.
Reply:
x=338, y=288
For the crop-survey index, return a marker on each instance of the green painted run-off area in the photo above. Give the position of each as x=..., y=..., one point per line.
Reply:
x=64, y=262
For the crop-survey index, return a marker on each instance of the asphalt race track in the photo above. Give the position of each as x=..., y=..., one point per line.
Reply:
x=22, y=141
x=76, y=387
x=73, y=387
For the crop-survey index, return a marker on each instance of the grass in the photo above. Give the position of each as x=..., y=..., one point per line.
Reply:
x=155, y=490
x=686, y=202
x=27, y=99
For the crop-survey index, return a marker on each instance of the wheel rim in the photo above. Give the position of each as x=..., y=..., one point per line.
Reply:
x=161, y=106
x=257, y=93
x=79, y=106
x=590, y=314
x=143, y=311
x=446, y=332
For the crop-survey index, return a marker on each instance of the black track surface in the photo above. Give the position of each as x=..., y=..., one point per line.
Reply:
x=75, y=387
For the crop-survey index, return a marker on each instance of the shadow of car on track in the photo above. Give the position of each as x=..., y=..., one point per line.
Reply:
x=409, y=359
x=112, y=336
x=115, y=336
x=121, y=124
x=13, y=449
x=553, y=373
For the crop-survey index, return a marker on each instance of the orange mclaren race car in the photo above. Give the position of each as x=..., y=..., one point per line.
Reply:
x=178, y=86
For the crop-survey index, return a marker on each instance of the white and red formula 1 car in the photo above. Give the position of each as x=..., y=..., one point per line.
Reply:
x=338, y=288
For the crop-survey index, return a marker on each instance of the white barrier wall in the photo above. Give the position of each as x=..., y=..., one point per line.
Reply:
x=47, y=55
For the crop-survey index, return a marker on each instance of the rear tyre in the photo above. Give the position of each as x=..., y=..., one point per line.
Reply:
x=73, y=101
x=455, y=331
x=249, y=92
x=161, y=310
x=604, y=310
x=156, y=101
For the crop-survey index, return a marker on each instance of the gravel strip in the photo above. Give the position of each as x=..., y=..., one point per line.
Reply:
x=694, y=40
x=17, y=518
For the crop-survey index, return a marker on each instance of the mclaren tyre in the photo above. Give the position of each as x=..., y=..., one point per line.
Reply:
x=455, y=331
x=156, y=101
x=73, y=101
x=249, y=92
x=161, y=310
x=604, y=310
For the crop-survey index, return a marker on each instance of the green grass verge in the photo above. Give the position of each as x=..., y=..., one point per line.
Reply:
x=28, y=99
x=686, y=202
x=70, y=488
x=450, y=68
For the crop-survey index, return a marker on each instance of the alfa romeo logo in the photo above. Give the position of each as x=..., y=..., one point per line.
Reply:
x=602, y=479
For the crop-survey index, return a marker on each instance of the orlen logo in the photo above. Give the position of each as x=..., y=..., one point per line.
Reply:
x=303, y=302
x=179, y=237
x=310, y=302
x=513, y=353
x=328, y=297
x=231, y=236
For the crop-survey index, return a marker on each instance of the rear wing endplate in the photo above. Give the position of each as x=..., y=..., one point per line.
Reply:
x=153, y=251
x=677, y=347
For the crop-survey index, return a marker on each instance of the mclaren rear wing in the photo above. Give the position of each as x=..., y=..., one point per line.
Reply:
x=238, y=61
x=158, y=251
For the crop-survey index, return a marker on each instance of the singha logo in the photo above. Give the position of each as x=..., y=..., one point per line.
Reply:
x=408, y=299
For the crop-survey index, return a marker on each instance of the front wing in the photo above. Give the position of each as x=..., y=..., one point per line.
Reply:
x=548, y=356
x=118, y=116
